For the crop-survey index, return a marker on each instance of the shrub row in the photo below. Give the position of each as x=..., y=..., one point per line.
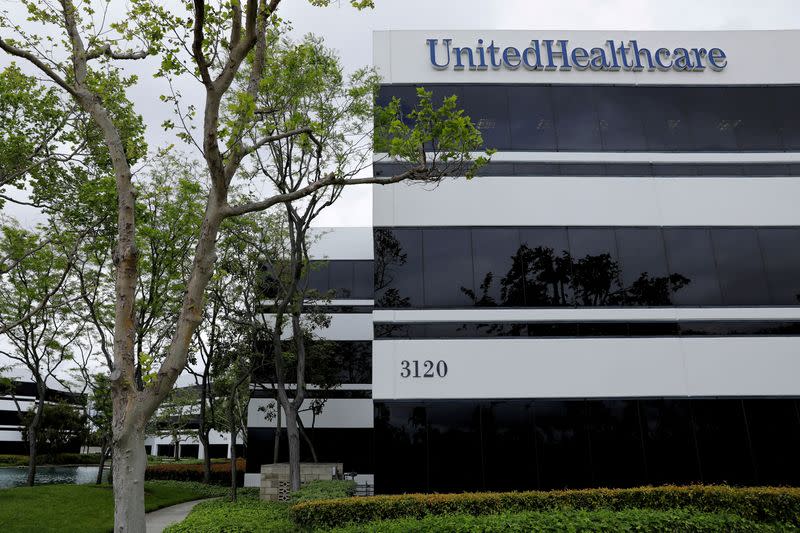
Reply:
x=639, y=520
x=55, y=459
x=220, y=472
x=324, y=490
x=770, y=505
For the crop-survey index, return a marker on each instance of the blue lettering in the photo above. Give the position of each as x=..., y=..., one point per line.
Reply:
x=665, y=53
x=458, y=52
x=637, y=57
x=682, y=61
x=717, y=59
x=614, y=63
x=481, y=56
x=579, y=55
x=598, y=61
x=511, y=57
x=432, y=48
x=532, y=49
x=492, y=50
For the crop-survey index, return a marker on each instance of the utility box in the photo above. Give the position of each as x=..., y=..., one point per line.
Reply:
x=276, y=485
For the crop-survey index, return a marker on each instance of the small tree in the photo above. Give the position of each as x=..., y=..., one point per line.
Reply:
x=174, y=417
x=61, y=426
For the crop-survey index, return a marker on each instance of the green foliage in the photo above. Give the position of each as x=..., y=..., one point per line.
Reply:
x=445, y=131
x=82, y=508
x=201, y=490
x=247, y=514
x=323, y=490
x=62, y=425
x=556, y=521
x=220, y=472
x=770, y=505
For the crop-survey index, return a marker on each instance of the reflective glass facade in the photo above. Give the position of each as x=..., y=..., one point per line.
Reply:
x=586, y=267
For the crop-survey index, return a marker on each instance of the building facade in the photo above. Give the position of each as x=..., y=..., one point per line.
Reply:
x=614, y=301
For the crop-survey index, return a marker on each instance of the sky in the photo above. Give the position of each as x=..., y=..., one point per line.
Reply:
x=350, y=33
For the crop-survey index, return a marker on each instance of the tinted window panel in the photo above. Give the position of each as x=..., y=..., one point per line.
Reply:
x=690, y=256
x=531, y=121
x=665, y=120
x=643, y=262
x=454, y=444
x=620, y=118
x=448, y=267
x=499, y=273
x=739, y=266
x=595, y=269
x=669, y=441
x=616, y=441
x=488, y=109
x=548, y=267
x=788, y=106
x=363, y=279
x=341, y=278
x=398, y=268
x=775, y=435
x=562, y=444
x=508, y=446
x=757, y=127
x=722, y=441
x=781, y=249
x=319, y=276
x=401, y=463
x=576, y=121
x=713, y=117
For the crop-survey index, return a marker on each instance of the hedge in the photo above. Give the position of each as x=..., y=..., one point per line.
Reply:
x=639, y=520
x=220, y=472
x=324, y=490
x=771, y=505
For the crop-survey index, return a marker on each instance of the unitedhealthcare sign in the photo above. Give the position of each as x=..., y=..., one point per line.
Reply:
x=557, y=54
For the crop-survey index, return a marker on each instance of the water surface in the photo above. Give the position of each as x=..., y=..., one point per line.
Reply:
x=81, y=475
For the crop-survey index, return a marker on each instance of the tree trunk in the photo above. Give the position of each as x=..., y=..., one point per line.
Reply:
x=276, y=448
x=103, y=454
x=128, y=466
x=204, y=442
x=176, y=456
x=303, y=434
x=232, y=422
x=293, y=436
x=33, y=431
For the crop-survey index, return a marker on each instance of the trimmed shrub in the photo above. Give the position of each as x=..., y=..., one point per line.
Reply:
x=248, y=514
x=324, y=490
x=639, y=520
x=220, y=472
x=769, y=504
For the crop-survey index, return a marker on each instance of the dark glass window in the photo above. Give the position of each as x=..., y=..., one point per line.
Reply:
x=757, y=127
x=341, y=278
x=781, y=249
x=401, y=440
x=595, y=266
x=739, y=266
x=620, y=118
x=713, y=117
x=775, y=434
x=499, y=273
x=448, y=267
x=669, y=441
x=454, y=446
x=488, y=109
x=665, y=121
x=562, y=444
x=689, y=255
x=363, y=279
x=722, y=441
x=319, y=277
x=576, y=121
x=509, y=451
x=398, y=268
x=531, y=121
x=548, y=267
x=643, y=263
x=788, y=110
x=616, y=442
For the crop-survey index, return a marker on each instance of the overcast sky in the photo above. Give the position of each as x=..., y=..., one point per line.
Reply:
x=350, y=32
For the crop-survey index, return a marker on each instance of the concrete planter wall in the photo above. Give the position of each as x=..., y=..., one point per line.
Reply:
x=276, y=485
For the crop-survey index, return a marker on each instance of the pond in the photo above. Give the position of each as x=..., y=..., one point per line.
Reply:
x=15, y=476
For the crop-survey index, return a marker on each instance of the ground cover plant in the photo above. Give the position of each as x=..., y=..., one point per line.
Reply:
x=85, y=508
x=220, y=471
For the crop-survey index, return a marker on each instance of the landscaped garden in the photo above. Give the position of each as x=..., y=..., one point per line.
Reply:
x=321, y=507
x=86, y=508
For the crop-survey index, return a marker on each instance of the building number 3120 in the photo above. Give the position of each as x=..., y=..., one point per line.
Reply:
x=423, y=369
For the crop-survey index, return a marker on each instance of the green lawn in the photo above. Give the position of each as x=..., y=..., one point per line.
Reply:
x=84, y=508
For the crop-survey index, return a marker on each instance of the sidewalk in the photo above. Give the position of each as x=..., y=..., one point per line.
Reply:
x=157, y=521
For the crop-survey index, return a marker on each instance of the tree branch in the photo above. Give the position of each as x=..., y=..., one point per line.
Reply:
x=106, y=50
x=24, y=54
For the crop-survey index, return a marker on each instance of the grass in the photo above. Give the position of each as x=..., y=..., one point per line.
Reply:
x=85, y=508
x=248, y=514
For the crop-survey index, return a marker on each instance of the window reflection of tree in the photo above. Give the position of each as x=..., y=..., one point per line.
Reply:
x=388, y=257
x=540, y=277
